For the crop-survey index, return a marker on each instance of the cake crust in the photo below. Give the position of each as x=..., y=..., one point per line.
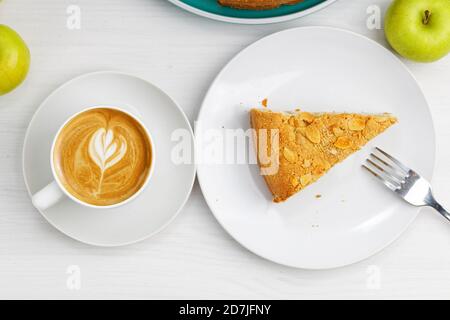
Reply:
x=310, y=144
x=256, y=4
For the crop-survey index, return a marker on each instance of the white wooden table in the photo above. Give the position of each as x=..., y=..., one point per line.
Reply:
x=194, y=257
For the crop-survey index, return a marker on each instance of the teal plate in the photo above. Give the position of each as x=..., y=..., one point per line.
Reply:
x=211, y=9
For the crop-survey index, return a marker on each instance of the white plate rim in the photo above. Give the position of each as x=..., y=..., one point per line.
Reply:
x=33, y=119
x=199, y=168
x=253, y=21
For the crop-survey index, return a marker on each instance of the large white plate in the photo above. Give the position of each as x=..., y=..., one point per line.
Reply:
x=158, y=204
x=317, y=69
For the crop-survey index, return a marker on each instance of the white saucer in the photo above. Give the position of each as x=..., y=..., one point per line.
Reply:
x=169, y=187
x=316, y=69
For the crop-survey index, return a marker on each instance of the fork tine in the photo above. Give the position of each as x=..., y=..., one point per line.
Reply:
x=385, y=182
x=394, y=172
x=397, y=162
x=384, y=174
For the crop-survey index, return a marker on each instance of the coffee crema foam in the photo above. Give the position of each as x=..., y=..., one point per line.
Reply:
x=102, y=156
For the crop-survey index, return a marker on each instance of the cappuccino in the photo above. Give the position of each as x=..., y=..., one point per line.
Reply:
x=102, y=156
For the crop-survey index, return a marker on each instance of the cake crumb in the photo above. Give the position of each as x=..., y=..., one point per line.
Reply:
x=264, y=103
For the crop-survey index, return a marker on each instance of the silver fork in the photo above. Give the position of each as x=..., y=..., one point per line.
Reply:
x=405, y=182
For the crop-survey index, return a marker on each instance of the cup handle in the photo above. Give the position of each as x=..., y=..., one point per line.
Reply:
x=48, y=196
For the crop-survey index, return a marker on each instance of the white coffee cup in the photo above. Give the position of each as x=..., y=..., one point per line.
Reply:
x=55, y=191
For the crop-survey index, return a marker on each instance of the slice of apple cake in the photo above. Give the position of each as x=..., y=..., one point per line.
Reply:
x=309, y=144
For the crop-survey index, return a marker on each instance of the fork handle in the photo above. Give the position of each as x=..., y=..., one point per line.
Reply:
x=441, y=210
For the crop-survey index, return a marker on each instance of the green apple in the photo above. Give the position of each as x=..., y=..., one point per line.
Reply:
x=14, y=59
x=419, y=29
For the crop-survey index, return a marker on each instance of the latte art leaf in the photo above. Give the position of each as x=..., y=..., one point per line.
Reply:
x=103, y=149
